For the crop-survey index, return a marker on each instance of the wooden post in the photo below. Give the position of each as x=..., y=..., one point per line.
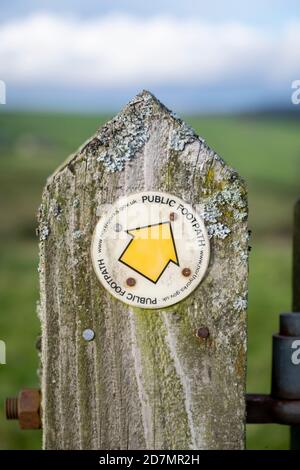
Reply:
x=146, y=381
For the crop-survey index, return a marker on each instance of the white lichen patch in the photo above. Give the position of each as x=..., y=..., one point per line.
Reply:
x=122, y=138
x=240, y=303
x=239, y=216
x=77, y=234
x=229, y=199
x=211, y=213
x=218, y=230
x=55, y=209
x=218, y=159
x=44, y=232
x=182, y=135
x=242, y=252
x=126, y=134
x=76, y=203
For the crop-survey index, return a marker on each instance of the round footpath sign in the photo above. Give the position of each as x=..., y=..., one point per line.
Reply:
x=150, y=250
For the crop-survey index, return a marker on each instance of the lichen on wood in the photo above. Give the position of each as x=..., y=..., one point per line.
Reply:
x=146, y=381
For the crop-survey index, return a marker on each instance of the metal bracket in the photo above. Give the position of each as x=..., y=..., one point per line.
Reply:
x=283, y=405
x=263, y=409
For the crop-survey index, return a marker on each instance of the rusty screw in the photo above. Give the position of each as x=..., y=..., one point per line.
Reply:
x=202, y=332
x=131, y=282
x=26, y=408
x=173, y=216
x=186, y=272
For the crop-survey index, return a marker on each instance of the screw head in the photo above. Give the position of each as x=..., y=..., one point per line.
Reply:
x=88, y=334
x=131, y=282
x=202, y=332
x=172, y=216
x=186, y=272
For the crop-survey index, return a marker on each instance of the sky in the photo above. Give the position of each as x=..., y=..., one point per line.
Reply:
x=195, y=56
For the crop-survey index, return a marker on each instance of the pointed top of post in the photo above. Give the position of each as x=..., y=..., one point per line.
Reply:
x=123, y=137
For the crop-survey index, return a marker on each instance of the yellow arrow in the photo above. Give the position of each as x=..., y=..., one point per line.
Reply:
x=150, y=251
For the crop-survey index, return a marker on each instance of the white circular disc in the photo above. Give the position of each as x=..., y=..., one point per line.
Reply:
x=150, y=250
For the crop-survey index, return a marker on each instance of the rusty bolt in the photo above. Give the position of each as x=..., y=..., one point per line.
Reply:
x=25, y=408
x=131, y=282
x=173, y=216
x=186, y=272
x=11, y=406
x=203, y=332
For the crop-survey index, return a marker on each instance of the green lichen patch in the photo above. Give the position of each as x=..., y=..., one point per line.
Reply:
x=228, y=204
x=162, y=384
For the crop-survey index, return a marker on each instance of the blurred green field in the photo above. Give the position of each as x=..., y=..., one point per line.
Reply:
x=264, y=150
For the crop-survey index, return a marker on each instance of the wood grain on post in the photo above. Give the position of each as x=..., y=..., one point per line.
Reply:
x=146, y=381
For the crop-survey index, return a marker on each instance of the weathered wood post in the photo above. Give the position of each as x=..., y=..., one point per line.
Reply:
x=156, y=377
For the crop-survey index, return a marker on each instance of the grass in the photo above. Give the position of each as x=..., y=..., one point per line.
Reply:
x=264, y=150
